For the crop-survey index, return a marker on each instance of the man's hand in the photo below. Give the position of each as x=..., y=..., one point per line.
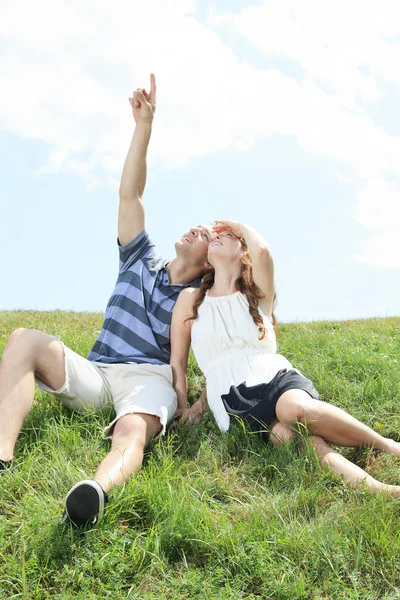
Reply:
x=144, y=103
x=194, y=414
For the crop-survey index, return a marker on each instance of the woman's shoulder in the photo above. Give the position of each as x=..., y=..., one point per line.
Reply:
x=187, y=296
x=189, y=292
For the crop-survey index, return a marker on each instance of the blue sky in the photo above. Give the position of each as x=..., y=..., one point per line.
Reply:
x=265, y=115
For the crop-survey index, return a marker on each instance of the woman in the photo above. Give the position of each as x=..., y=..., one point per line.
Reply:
x=230, y=323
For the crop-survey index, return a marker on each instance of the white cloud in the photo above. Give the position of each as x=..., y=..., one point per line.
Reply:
x=378, y=209
x=70, y=66
x=344, y=47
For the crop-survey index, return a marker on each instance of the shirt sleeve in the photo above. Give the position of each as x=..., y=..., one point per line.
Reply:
x=140, y=247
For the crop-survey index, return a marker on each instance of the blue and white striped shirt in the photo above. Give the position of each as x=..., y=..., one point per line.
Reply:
x=138, y=316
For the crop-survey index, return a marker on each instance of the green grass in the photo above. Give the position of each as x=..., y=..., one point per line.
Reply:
x=211, y=516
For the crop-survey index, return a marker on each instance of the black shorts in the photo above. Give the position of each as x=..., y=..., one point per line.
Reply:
x=256, y=404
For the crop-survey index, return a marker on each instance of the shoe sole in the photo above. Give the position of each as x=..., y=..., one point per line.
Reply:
x=85, y=503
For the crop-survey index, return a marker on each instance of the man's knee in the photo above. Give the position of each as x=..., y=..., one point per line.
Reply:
x=38, y=351
x=133, y=442
x=16, y=336
x=20, y=343
x=134, y=430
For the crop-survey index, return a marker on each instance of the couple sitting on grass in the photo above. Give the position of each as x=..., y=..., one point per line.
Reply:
x=218, y=295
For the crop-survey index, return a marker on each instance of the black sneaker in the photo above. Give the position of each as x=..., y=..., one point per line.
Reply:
x=5, y=465
x=85, y=503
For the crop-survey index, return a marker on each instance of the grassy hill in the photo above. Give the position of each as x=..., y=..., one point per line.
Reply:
x=211, y=516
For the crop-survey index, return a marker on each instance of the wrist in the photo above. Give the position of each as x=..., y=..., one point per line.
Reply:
x=141, y=136
x=198, y=406
x=144, y=125
x=183, y=405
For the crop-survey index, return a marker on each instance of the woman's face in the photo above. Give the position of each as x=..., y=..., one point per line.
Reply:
x=226, y=246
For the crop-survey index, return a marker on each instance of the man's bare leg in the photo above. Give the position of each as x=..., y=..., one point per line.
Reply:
x=28, y=353
x=86, y=500
x=132, y=433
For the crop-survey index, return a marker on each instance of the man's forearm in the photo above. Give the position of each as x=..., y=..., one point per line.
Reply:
x=134, y=173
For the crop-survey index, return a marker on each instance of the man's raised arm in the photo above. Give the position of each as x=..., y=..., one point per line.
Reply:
x=133, y=180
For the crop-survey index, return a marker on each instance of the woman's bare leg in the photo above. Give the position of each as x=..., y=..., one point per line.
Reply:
x=330, y=459
x=351, y=473
x=280, y=433
x=330, y=422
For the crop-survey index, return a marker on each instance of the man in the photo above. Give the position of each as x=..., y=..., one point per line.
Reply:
x=129, y=363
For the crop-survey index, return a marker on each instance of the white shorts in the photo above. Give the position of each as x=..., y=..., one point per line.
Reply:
x=129, y=387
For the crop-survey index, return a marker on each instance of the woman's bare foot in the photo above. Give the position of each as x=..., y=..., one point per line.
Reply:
x=393, y=447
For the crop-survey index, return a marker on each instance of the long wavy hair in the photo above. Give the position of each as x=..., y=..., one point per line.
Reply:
x=245, y=284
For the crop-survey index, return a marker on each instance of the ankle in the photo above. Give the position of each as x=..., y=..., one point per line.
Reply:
x=388, y=445
x=5, y=464
x=6, y=456
x=105, y=488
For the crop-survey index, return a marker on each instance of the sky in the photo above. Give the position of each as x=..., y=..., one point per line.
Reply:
x=284, y=115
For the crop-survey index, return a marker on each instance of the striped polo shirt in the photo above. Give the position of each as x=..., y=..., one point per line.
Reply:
x=138, y=316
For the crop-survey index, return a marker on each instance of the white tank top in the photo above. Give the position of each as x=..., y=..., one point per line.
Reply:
x=227, y=349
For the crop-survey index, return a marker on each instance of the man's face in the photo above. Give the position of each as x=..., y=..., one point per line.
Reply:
x=196, y=241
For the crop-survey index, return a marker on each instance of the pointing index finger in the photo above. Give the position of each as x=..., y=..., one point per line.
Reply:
x=153, y=88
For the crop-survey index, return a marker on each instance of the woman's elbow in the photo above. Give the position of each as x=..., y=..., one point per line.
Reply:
x=262, y=253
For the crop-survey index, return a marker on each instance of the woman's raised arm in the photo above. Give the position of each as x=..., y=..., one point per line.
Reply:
x=261, y=258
